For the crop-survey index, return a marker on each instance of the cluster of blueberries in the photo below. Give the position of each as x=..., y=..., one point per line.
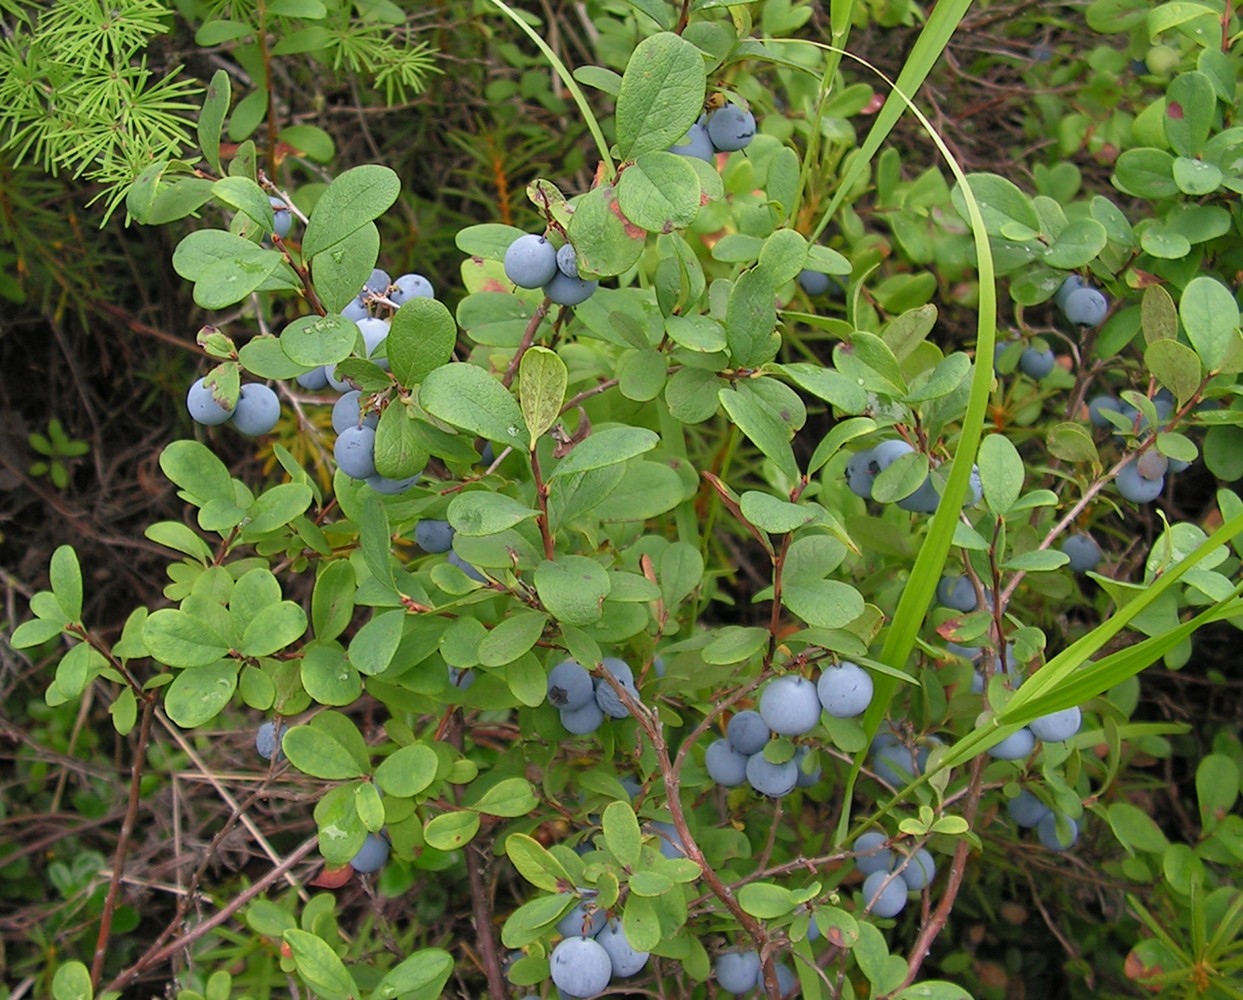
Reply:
x=725, y=130
x=258, y=408
x=593, y=951
x=533, y=261
x=864, y=466
x=789, y=706
x=585, y=701
x=1142, y=479
x=889, y=876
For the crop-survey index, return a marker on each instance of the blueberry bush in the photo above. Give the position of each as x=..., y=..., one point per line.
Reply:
x=744, y=571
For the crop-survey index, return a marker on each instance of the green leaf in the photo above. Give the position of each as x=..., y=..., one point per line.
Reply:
x=452, y=830
x=659, y=192
x=1146, y=173
x=422, y=976
x=823, y=603
x=534, y=863
x=332, y=600
x=1210, y=316
x=274, y=628
x=766, y=432
x=356, y=197
x=1007, y=211
x=66, y=579
x=765, y=900
x=734, y=643
x=606, y=244
x=480, y=513
x=339, y=276
x=509, y=797
x=488, y=240
x=72, y=980
x=1176, y=366
x=399, y=449
x=327, y=675
x=319, y=340
x=316, y=752
x=408, y=771
x=179, y=639
x=313, y=142
x=572, y=589
x=621, y=833
x=1158, y=315
x=512, y=637
x=276, y=508
x=247, y=114
x=197, y=694
x=124, y=711
x=1077, y=245
x=1196, y=177
x=1217, y=788
x=319, y=966
x=1072, y=443
x=35, y=632
x=751, y=319
x=420, y=340
x=211, y=121
x=542, y=378
x=661, y=94
x=831, y=386
x=468, y=397
x=1001, y=473
x=249, y=199
x=375, y=644
x=784, y=255
x=641, y=375
x=768, y=513
x=1190, y=104
x=609, y=446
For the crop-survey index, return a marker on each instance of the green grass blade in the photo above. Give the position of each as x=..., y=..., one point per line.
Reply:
x=942, y=23
x=567, y=78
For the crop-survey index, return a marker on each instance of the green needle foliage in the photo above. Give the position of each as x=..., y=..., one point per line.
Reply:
x=77, y=95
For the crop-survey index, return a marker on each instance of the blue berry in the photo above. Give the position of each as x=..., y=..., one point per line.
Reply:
x=347, y=413
x=378, y=282
x=845, y=690
x=1086, y=307
x=372, y=855
x=919, y=871
x=1097, y=407
x=281, y=216
x=814, y=283
x=567, y=261
x=582, y=721
x=625, y=961
x=1135, y=487
x=1072, y=284
x=203, y=406
x=609, y=701
x=1036, y=364
x=884, y=900
x=314, y=380
x=258, y=410
x=871, y=854
x=580, y=967
x=569, y=685
x=695, y=143
x=767, y=778
x=790, y=705
x=1082, y=551
x=267, y=742
x=530, y=261
x=1026, y=810
x=1018, y=745
x=392, y=487
x=738, y=972
x=434, y=536
x=725, y=765
x=355, y=452
x=1048, y=833
x=731, y=128
x=410, y=286
x=747, y=732
x=957, y=592
x=1057, y=726
x=860, y=473
x=466, y=568
x=584, y=920
x=569, y=291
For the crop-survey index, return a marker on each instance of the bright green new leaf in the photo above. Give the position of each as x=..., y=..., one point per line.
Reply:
x=198, y=694
x=1001, y=473
x=319, y=966
x=452, y=830
x=542, y=378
